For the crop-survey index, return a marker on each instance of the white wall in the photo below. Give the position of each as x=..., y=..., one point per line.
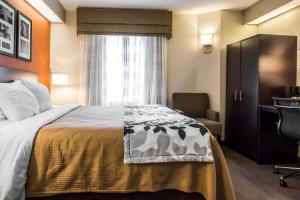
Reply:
x=208, y=65
x=182, y=55
x=64, y=58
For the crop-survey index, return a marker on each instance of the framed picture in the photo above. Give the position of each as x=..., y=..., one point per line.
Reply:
x=24, y=37
x=7, y=29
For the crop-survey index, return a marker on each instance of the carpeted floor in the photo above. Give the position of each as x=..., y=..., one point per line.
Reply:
x=257, y=182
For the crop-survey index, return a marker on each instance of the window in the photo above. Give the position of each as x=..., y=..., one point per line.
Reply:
x=122, y=70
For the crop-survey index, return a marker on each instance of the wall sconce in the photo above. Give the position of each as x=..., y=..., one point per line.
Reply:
x=60, y=79
x=206, y=41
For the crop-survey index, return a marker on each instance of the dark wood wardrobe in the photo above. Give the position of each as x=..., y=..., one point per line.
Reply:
x=258, y=68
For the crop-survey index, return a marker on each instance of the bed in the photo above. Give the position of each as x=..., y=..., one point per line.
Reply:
x=79, y=154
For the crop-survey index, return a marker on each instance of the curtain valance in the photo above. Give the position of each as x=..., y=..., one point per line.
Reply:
x=105, y=21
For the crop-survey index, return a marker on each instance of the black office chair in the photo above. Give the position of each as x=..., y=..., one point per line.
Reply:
x=288, y=128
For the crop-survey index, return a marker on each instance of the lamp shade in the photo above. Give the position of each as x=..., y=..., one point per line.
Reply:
x=206, y=39
x=60, y=79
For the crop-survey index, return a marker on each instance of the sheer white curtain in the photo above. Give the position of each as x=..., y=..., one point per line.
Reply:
x=122, y=70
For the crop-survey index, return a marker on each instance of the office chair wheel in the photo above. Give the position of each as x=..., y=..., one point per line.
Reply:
x=282, y=183
x=276, y=171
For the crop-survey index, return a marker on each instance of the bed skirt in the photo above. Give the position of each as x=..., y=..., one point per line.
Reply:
x=161, y=195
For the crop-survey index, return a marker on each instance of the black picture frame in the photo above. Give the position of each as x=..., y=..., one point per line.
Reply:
x=8, y=15
x=24, y=37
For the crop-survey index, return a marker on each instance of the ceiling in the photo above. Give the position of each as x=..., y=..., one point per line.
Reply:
x=183, y=6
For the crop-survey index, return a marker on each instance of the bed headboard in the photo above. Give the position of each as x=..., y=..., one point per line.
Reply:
x=10, y=74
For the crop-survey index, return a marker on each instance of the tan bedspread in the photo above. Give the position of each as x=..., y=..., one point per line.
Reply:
x=83, y=152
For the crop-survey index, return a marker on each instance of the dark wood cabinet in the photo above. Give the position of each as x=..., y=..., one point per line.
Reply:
x=258, y=68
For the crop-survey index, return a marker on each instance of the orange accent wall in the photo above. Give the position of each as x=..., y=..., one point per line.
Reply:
x=40, y=62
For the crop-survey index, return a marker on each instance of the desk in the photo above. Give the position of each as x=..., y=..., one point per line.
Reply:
x=267, y=108
x=271, y=147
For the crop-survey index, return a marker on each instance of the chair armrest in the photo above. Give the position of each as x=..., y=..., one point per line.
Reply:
x=212, y=115
x=179, y=111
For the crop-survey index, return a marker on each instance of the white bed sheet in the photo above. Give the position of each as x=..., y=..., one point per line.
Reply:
x=4, y=123
x=16, y=142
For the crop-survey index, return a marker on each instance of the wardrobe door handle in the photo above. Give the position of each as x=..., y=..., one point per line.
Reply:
x=241, y=97
x=235, y=95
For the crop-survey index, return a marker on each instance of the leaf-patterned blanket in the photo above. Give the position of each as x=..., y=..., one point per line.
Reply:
x=154, y=133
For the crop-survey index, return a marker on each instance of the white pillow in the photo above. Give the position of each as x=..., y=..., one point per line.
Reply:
x=40, y=92
x=17, y=102
x=2, y=116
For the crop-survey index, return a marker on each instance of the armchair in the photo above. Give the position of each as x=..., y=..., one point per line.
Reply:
x=196, y=105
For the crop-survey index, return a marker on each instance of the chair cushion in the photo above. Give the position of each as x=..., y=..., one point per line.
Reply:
x=192, y=104
x=214, y=127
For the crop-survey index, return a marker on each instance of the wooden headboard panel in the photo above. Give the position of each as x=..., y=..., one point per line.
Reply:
x=9, y=74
